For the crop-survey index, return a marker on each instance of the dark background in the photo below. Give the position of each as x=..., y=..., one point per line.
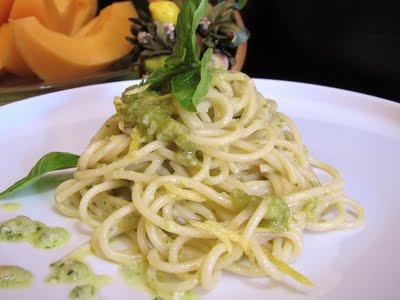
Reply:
x=348, y=44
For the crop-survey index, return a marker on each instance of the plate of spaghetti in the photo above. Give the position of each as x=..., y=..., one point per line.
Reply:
x=199, y=183
x=217, y=204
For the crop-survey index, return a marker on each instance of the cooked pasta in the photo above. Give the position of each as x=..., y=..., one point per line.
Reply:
x=228, y=188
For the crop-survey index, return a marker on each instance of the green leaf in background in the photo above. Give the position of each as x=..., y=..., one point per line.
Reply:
x=52, y=161
x=206, y=76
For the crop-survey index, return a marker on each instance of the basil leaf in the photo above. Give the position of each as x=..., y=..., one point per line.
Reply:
x=191, y=86
x=186, y=46
x=206, y=76
x=198, y=14
x=184, y=87
x=183, y=72
x=182, y=47
x=50, y=162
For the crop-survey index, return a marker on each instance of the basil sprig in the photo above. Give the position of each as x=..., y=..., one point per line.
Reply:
x=52, y=161
x=185, y=74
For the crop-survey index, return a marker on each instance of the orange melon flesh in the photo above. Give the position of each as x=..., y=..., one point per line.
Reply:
x=28, y=8
x=54, y=56
x=62, y=5
x=66, y=16
x=95, y=25
x=5, y=7
x=55, y=12
x=80, y=12
x=2, y=47
x=92, y=27
x=10, y=58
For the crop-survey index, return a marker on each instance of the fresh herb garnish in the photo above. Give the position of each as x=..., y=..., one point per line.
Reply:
x=52, y=161
x=185, y=74
x=154, y=32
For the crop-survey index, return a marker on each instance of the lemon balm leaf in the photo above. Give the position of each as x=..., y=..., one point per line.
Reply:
x=52, y=161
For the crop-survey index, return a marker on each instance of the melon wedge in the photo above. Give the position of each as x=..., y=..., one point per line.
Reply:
x=5, y=8
x=66, y=16
x=90, y=28
x=55, y=57
x=95, y=25
x=29, y=8
x=79, y=13
x=10, y=59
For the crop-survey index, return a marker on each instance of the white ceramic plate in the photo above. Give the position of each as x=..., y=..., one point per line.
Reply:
x=358, y=134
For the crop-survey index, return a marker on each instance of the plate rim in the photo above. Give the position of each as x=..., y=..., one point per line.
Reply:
x=298, y=84
x=261, y=83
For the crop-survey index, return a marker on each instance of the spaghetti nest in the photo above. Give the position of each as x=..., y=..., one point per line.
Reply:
x=230, y=187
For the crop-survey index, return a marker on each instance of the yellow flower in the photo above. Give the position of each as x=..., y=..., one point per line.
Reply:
x=164, y=11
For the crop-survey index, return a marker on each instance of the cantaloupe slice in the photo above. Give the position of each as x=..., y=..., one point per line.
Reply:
x=66, y=16
x=55, y=57
x=80, y=12
x=5, y=8
x=56, y=12
x=90, y=28
x=10, y=58
x=28, y=8
x=62, y=5
x=95, y=25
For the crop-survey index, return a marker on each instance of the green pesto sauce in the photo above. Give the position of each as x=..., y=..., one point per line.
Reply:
x=22, y=228
x=277, y=216
x=135, y=275
x=70, y=271
x=153, y=114
x=241, y=200
x=11, y=206
x=74, y=271
x=14, y=277
x=51, y=237
x=310, y=209
x=83, y=292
